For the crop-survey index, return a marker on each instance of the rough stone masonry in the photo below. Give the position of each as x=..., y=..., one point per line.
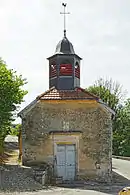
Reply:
x=88, y=122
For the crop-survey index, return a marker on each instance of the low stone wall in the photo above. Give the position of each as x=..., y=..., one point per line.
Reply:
x=43, y=175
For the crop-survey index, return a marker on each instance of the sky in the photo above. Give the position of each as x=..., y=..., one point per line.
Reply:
x=98, y=29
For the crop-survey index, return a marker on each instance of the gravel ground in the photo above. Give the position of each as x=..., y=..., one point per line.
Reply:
x=16, y=178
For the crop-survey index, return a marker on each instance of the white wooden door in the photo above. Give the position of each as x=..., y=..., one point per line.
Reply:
x=66, y=161
x=61, y=161
x=70, y=162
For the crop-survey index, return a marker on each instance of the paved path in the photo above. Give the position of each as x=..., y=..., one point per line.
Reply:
x=122, y=167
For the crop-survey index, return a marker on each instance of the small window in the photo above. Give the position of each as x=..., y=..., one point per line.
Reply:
x=77, y=70
x=53, y=71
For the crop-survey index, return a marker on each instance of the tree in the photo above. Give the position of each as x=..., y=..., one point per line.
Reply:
x=109, y=91
x=11, y=95
x=121, y=125
x=14, y=129
x=112, y=94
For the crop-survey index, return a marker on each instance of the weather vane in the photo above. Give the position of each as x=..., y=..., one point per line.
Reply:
x=64, y=13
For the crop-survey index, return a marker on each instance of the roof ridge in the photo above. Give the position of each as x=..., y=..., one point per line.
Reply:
x=85, y=91
x=42, y=94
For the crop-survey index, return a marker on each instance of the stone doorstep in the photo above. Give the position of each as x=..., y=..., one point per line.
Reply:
x=59, y=180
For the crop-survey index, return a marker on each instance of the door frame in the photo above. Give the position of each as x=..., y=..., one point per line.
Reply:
x=64, y=138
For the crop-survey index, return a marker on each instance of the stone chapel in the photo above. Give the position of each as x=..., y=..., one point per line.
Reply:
x=66, y=126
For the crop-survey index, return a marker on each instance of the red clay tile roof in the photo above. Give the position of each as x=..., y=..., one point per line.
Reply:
x=77, y=93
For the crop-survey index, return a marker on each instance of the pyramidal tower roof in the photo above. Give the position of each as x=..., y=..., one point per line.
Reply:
x=64, y=47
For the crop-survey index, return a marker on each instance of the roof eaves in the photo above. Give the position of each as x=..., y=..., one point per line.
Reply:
x=106, y=107
x=29, y=106
x=61, y=54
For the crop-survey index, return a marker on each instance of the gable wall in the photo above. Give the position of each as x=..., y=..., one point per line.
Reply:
x=95, y=147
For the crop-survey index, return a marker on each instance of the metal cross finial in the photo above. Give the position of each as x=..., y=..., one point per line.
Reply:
x=64, y=5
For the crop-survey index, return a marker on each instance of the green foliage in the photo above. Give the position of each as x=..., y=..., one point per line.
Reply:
x=121, y=126
x=14, y=130
x=11, y=95
x=111, y=93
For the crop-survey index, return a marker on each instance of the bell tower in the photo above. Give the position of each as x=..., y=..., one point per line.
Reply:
x=64, y=65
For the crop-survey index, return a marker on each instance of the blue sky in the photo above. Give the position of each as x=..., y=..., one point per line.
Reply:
x=98, y=29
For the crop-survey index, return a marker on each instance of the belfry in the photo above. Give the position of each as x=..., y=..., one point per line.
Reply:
x=64, y=65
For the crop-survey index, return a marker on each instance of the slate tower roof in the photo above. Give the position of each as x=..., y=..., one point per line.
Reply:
x=64, y=47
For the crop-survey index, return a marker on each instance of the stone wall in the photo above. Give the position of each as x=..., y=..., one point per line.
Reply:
x=95, y=147
x=36, y=145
